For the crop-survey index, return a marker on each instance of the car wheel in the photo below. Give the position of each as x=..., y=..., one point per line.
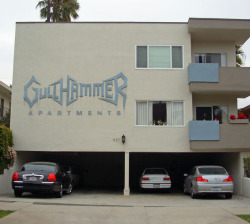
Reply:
x=228, y=195
x=18, y=193
x=69, y=189
x=59, y=194
x=193, y=194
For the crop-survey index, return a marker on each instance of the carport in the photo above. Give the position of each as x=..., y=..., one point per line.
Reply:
x=107, y=171
x=177, y=164
x=96, y=170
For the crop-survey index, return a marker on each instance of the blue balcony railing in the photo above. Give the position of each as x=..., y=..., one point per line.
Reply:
x=203, y=72
x=204, y=131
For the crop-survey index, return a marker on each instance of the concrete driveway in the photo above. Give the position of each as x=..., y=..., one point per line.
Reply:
x=107, y=207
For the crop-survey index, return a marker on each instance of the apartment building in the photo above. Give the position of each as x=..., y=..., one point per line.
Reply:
x=5, y=95
x=112, y=98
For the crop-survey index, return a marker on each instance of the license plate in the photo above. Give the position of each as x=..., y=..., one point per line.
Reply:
x=216, y=189
x=156, y=185
x=33, y=179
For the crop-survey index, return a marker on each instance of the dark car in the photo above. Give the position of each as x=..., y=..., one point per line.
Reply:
x=36, y=177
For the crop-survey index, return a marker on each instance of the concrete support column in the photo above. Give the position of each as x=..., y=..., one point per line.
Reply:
x=126, y=191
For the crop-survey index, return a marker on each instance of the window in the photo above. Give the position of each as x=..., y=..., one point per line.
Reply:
x=155, y=171
x=219, y=58
x=159, y=57
x=38, y=167
x=212, y=171
x=208, y=113
x=160, y=113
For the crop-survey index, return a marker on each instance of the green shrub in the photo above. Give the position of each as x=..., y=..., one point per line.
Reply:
x=7, y=153
x=247, y=166
x=3, y=165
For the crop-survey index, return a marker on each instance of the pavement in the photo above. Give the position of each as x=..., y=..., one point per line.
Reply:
x=107, y=207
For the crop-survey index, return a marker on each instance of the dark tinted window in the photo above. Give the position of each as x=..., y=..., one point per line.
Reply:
x=155, y=171
x=39, y=167
x=211, y=171
x=177, y=57
x=141, y=61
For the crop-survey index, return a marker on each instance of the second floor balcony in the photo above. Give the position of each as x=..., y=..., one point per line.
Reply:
x=212, y=79
x=212, y=136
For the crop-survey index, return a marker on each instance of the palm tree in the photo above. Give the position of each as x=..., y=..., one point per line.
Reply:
x=240, y=55
x=63, y=10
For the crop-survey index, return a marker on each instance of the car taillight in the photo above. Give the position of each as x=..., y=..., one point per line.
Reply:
x=145, y=178
x=15, y=176
x=52, y=177
x=229, y=179
x=166, y=178
x=201, y=179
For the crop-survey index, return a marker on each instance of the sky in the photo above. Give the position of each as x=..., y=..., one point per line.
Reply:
x=12, y=11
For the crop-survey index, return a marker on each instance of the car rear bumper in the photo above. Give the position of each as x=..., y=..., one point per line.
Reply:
x=155, y=186
x=214, y=188
x=36, y=186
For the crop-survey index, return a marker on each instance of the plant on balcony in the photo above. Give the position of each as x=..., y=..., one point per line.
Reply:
x=232, y=117
x=241, y=119
x=160, y=122
x=242, y=116
x=247, y=166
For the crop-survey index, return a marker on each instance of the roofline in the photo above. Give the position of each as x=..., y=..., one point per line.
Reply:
x=137, y=22
x=5, y=86
x=221, y=19
x=107, y=22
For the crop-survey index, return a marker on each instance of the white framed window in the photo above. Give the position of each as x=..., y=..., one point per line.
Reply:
x=159, y=56
x=161, y=113
x=220, y=58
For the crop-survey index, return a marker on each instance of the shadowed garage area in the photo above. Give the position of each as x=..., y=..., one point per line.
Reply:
x=104, y=171
x=97, y=170
x=177, y=164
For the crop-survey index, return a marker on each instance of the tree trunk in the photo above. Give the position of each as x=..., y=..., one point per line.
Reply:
x=48, y=12
x=54, y=13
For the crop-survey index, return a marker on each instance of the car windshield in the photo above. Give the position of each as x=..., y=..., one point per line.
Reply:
x=212, y=170
x=38, y=167
x=155, y=171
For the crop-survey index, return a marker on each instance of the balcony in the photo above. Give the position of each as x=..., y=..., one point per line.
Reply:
x=210, y=79
x=212, y=136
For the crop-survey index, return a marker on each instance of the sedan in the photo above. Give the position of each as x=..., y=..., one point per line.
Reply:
x=36, y=177
x=155, y=178
x=208, y=179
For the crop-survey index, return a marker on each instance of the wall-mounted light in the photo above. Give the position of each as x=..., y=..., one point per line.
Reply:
x=123, y=139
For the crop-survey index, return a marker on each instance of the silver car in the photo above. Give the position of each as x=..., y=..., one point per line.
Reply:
x=155, y=178
x=208, y=179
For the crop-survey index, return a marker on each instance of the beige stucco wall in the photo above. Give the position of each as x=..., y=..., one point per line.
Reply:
x=5, y=178
x=91, y=53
